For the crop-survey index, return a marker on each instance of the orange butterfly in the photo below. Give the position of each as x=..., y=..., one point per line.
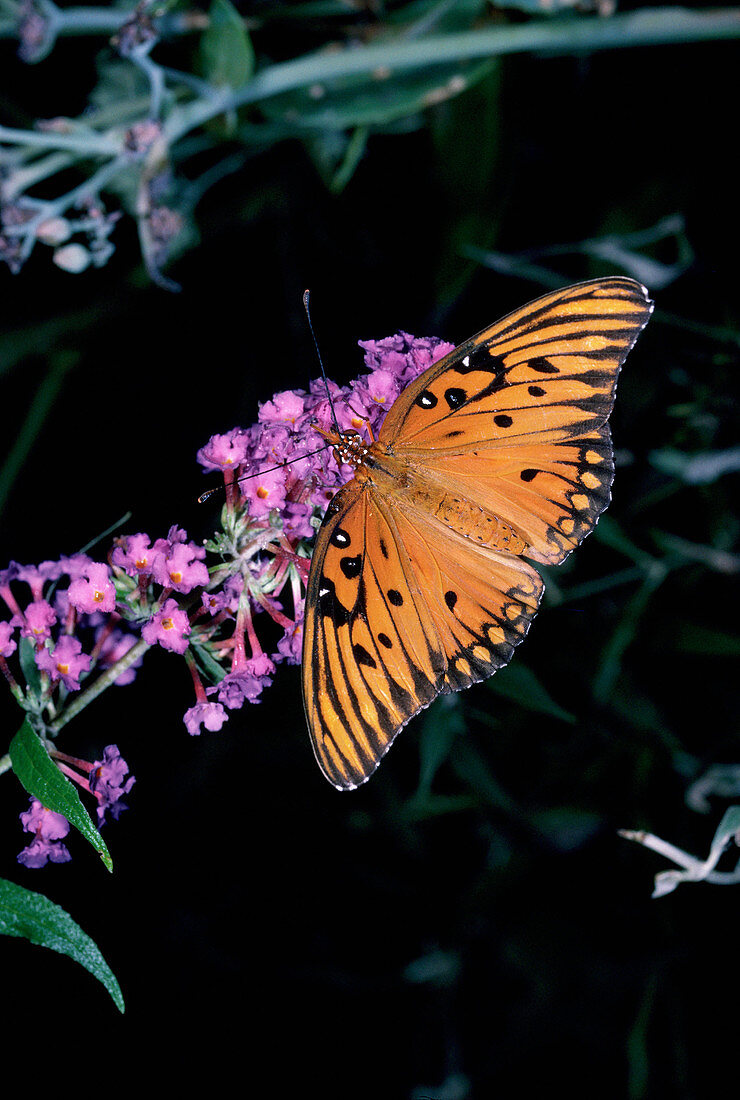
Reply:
x=498, y=453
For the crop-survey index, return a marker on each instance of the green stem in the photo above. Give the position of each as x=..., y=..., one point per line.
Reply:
x=652, y=27
x=91, y=21
x=95, y=689
x=85, y=143
x=611, y=658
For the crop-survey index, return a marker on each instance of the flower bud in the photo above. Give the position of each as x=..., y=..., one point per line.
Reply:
x=72, y=257
x=54, y=231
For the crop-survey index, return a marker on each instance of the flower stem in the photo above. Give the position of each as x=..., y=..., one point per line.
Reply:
x=651, y=27
x=86, y=144
x=95, y=689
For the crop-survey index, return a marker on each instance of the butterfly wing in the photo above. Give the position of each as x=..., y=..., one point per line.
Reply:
x=400, y=607
x=514, y=419
x=398, y=610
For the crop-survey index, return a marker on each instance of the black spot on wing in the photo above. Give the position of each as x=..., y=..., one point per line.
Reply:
x=455, y=397
x=426, y=400
x=340, y=538
x=362, y=656
x=479, y=359
x=333, y=507
x=351, y=567
x=330, y=605
x=543, y=366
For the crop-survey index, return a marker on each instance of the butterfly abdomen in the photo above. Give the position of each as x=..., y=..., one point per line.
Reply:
x=415, y=490
x=477, y=524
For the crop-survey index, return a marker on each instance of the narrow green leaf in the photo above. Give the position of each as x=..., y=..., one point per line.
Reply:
x=32, y=916
x=519, y=683
x=27, y=658
x=42, y=778
x=227, y=57
x=690, y=637
x=696, y=469
x=727, y=830
x=442, y=725
x=41, y=407
x=207, y=663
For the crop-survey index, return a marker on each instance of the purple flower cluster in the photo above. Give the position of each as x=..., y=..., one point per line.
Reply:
x=285, y=433
x=47, y=628
x=279, y=476
x=78, y=620
x=104, y=779
x=86, y=624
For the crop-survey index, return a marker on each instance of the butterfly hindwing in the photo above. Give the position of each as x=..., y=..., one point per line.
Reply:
x=481, y=600
x=552, y=494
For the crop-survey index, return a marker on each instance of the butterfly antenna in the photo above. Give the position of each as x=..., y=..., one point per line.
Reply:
x=306, y=299
x=258, y=473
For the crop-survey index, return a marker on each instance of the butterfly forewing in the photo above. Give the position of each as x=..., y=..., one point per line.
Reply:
x=406, y=610
x=375, y=659
x=514, y=420
x=546, y=372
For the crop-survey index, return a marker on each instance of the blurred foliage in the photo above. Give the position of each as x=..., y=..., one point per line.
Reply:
x=469, y=923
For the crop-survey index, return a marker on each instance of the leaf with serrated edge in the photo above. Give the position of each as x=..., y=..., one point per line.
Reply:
x=42, y=778
x=32, y=916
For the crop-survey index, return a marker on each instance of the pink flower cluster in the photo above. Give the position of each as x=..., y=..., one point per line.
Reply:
x=96, y=604
x=104, y=779
x=65, y=633
x=47, y=628
x=284, y=474
x=92, y=631
x=284, y=434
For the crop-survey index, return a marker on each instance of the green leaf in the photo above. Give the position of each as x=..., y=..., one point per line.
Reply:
x=32, y=916
x=696, y=469
x=227, y=57
x=42, y=778
x=518, y=683
x=442, y=725
x=690, y=637
x=27, y=657
x=727, y=830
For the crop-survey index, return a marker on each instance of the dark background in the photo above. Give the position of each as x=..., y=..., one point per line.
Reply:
x=500, y=939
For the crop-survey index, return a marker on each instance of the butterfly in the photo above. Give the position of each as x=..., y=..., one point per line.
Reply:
x=497, y=456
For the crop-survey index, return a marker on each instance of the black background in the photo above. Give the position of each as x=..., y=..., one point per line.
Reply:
x=259, y=922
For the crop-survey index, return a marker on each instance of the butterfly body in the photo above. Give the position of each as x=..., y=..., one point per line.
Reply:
x=496, y=456
x=394, y=476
